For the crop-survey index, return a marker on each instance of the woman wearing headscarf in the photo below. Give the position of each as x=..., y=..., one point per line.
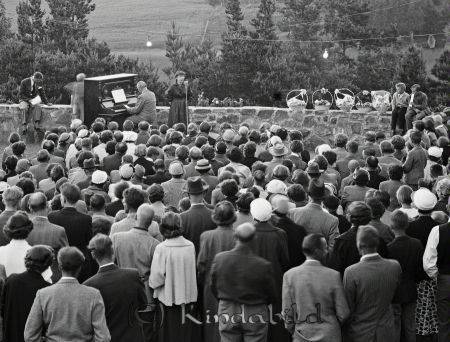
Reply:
x=12, y=255
x=176, y=95
x=213, y=242
x=173, y=279
x=20, y=290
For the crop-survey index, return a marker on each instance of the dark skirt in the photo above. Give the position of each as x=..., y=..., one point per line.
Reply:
x=177, y=113
x=174, y=324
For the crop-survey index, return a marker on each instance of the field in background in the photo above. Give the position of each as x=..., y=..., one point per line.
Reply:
x=124, y=24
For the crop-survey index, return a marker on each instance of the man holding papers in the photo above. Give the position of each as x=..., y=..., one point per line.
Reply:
x=145, y=108
x=31, y=95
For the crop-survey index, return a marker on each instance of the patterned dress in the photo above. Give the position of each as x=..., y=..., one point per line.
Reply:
x=426, y=310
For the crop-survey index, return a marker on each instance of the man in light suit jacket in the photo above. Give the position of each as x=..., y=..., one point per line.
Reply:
x=370, y=286
x=67, y=311
x=314, y=218
x=314, y=303
x=145, y=108
x=122, y=291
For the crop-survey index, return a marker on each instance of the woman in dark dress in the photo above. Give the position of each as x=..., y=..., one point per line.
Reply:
x=20, y=290
x=177, y=98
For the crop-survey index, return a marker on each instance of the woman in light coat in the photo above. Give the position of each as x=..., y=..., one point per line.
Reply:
x=173, y=279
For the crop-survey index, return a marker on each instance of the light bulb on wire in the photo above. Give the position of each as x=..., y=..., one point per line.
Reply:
x=325, y=54
x=149, y=42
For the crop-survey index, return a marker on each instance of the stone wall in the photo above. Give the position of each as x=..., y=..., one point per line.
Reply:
x=317, y=126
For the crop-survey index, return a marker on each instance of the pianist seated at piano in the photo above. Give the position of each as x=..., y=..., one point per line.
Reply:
x=145, y=108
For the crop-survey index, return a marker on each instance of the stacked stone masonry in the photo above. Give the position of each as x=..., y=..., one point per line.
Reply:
x=317, y=126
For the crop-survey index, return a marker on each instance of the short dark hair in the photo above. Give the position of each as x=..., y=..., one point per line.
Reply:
x=235, y=154
x=121, y=147
x=297, y=146
x=229, y=187
x=383, y=197
x=27, y=186
x=331, y=202
x=244, y=200
x=97, y=202
x=70, y=192
x=110, y=147
x=18, y=148
x=376, y=207
x=155, y=193
x=221, y=147
x=101, y=225
x=296, y=193
x=368, y=237
x=11, y=162
x=331, y=156
x=395, y=172
x=399, y=220
x=249, y=149
x=416, y=137
x=171, y=225
x=133, y=198
x=200, y=141
x=352, y=146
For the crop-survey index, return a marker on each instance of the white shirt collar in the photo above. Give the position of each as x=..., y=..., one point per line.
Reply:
x=19, y=243
x=68, y=278
x=369, y=255
x=108, y=264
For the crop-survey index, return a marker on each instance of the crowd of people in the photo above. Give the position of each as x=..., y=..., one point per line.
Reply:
x=220, y=233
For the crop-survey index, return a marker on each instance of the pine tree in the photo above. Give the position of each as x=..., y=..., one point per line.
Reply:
x=68, y=22
x=411, y=67
x=174, y=49
x=237, y=71
x=342, y=20
x=439, y=87
x=30, y=21
x=301, y=18
x=5, y=23
x=263, y=23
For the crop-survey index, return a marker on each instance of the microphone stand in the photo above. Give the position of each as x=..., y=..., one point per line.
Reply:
x=187, y=104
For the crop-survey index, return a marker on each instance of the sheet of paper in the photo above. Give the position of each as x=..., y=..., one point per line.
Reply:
x=35, y=101
x=119, y=96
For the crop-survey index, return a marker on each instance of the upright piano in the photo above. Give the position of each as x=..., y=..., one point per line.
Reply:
x=105, y=96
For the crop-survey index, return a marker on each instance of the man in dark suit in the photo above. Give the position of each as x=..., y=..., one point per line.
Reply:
x=418, y=106
x=30, y=88
x=370, y=286
x=78, y=226
x=122, y=291
x=68, y=311
x=44, y=232
x=113, y=162
x=197, y=219
x=314, y=303
x=408, y=252
x=145, y=108
x=252, y=294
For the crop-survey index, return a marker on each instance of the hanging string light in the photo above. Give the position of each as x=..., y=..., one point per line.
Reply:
x=325, y=54
x=149, y=42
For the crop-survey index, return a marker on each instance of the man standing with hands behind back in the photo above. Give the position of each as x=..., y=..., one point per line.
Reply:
x=30, y=88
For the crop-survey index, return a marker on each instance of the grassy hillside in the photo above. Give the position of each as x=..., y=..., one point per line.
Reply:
x=124, y=24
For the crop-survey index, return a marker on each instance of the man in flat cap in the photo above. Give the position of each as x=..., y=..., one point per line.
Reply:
x=68, y=311
x=31, y=95
x=248, y=297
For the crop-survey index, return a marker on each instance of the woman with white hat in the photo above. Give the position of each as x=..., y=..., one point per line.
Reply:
x=426, y=312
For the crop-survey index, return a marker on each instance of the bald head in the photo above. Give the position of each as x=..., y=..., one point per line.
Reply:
x=245, y=232
x=145, y=215
x=37, y=203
